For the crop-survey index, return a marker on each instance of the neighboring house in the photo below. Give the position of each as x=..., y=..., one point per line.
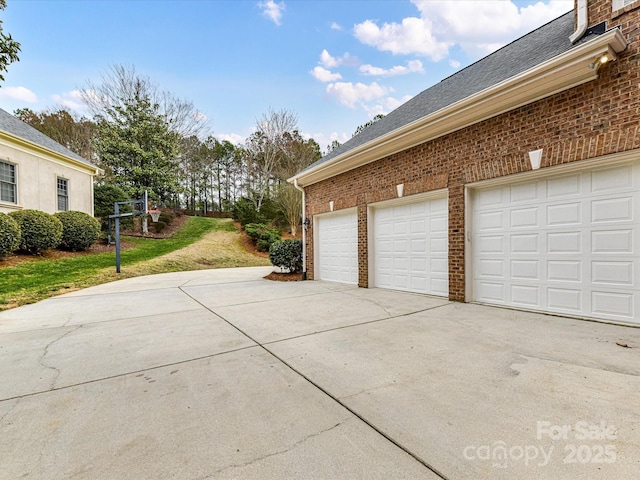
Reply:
x=38, y=173
x=514, y=182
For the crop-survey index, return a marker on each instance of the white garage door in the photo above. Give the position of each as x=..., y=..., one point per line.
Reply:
x=410, y=247
x=567, y=244
x=337, y=244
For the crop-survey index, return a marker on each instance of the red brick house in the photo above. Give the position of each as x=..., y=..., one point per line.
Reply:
x=514, y=182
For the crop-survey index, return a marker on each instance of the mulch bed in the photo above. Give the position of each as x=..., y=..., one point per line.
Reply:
x=284, y=277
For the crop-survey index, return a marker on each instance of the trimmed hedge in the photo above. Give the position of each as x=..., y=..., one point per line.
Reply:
x=262, y=235
x=287, y=254
x=9, y=234
x=38, y=230
x=79, y=230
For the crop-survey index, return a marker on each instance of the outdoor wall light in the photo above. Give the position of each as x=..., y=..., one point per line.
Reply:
x=306, y=223
x=603, y=58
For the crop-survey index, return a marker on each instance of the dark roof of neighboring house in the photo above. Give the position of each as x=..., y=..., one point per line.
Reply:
x=15, y=126
x=534, y=48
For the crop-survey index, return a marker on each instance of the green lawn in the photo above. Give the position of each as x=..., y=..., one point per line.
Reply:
x=32, y=281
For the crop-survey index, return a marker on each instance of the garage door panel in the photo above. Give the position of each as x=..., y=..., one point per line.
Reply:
x=612, y=179
x=416, y=250
x=612, y=304
x=564, y=270
x=525, y=269
x=564, y=187
x=564, y=214
x=573, y=247
x=526, y=295
x=612, y=241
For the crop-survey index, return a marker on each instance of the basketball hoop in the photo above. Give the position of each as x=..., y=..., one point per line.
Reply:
x=155, y=215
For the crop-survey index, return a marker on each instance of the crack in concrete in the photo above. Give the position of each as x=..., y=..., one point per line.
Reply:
x=46, y=352
x=273, y=454
x=11, y=409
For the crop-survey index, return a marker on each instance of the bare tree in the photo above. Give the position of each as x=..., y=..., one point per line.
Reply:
x=265, y=149
x=121, y=84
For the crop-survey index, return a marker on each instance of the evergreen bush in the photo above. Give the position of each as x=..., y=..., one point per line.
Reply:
x=287, y=254
x=38, y=230
x=262, y=235
x=9, y=234
x=79, y=230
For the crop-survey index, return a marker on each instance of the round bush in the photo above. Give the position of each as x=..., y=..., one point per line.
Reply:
x=79, y=230
x=287, y=254
x=9, y=234
x=38, y=230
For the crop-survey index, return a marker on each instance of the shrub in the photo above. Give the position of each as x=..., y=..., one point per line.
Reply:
x=244, y=211
x=9, y=234
x=159, y=226
x=38, y=230
x=166, y=217
x=287, y=254
x=262, y=235
x=79, y=230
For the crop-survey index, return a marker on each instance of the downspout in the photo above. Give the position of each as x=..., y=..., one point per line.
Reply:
x=583, y=21
x=304, y=230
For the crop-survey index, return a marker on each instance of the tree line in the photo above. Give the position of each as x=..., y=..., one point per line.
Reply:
x=144, y=138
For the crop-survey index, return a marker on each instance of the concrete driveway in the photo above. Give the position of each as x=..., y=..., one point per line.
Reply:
x=220, y=374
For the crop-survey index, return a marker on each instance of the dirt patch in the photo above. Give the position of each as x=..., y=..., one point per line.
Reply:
x=284, y=277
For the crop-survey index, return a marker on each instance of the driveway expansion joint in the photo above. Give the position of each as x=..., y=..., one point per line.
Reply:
x=371, y=425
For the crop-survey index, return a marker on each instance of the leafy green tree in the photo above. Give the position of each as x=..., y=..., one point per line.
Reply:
x=136, y=143
x=9, y=48
x=77, y=134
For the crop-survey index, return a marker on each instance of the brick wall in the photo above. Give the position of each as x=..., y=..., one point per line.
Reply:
x=598, y=118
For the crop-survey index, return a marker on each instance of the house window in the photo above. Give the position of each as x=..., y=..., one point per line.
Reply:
x=63, y=194
x=8, y=183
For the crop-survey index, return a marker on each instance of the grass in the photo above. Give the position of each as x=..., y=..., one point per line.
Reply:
x=200, y=243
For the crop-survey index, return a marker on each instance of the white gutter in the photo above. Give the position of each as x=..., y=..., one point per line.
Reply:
x=304, y=231
x=583, y=21
x=558, y=74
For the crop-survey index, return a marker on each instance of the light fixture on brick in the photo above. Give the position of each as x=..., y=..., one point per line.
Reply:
x=331, y=206
x=400, y=189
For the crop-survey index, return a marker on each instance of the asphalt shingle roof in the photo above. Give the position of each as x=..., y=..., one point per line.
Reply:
x=15, y=126
x=520, y=55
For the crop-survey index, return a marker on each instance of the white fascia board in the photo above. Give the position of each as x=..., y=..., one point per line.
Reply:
x=556, y=75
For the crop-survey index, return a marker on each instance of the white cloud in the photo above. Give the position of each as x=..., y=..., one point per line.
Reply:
x=412, y=66
x=454, y=63
x=350, y=95
x=324, y=75
x=326, y=60
x=385, y=105
x=71, y=100
x=335, y=26
x=443, y=24
x=234, y=138
x=272, y=10
x=18, y=93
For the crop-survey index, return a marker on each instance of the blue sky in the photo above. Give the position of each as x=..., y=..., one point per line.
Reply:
x=335, y=64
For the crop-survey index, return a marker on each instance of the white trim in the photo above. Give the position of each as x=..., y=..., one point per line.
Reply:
x=558, y=74
x=611, y=159
x=418, y=197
